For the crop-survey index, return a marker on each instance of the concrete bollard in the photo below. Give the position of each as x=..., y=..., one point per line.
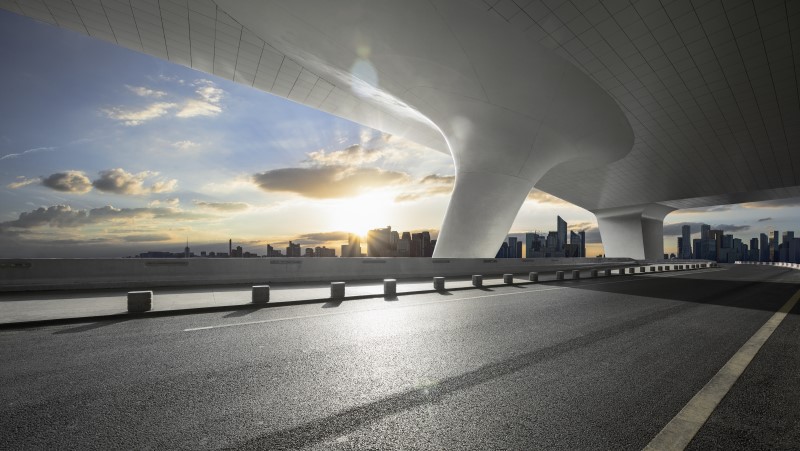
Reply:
x=260, y=294
x=702, y=265
x=576, y=274
x=438, y=283
x=533, y=277
x=606, y=272
x=594, y=273
x=508, y=279
x=642, y=269
x=666, y=268
x=652, y=269
x=660, y=268
x=389, y=287
x=477, y=280
x=621, y=271
x=140, y=301
x=559, y=275
x=337, y=290
x=631, y=270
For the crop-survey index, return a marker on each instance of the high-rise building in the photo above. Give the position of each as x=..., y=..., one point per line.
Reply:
x=705, y=231
x=404, y=245
x=378, y=242
x=561, y=228
x=427, y=246
x=292, y=250
x=686, y=250
x=503, y=252
x=512, y=247
x=754, y=252
x=764, y=248
x=353, y=246
x=774, y=252
x=582, y=234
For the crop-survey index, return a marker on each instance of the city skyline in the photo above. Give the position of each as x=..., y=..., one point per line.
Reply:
x=105, y=151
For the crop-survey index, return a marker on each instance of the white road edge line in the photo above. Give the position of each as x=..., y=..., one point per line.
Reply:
x=289, y=318
x=677, y=434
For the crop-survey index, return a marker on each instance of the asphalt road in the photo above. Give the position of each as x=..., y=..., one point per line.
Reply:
x=589, y=364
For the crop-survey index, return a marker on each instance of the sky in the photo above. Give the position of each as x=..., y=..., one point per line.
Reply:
x=106, y=152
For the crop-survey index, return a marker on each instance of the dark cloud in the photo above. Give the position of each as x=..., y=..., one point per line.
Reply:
x=119, y=181
x=675, y=229
x=322, y=237
x=63, y=216
x=68, y=182
x=326, y=182
x=430, y=185
x=764, y=219
x=223, y=206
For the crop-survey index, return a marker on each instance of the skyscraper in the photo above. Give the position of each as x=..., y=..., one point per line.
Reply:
x=686, y=250
x=512, y=247
x=705, y=231
x=561, y=227
x=378, y=242
x=764, y=248
x=582, y=233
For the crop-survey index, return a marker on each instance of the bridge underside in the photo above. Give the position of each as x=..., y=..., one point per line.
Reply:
x=629, y=112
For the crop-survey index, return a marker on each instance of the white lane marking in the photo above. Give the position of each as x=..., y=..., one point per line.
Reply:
x=677, y=434
x=442, y=301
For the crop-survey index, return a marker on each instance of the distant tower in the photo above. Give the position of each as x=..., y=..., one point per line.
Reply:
x=230, y=248
x=561, y=227
x=186, y=249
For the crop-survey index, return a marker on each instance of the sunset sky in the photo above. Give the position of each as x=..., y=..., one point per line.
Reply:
x=108, y=152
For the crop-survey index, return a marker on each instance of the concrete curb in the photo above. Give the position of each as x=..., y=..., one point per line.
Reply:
x=250, y=305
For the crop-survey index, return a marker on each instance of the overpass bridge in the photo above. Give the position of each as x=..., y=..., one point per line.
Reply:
x=628, y=109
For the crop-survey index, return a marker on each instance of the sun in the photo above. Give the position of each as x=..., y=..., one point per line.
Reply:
x=358, y=215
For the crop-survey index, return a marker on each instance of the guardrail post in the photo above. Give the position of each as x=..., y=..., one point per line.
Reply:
x=337, y=290
x=140, y=301
x=533, y=277
x=438, y=283
x=389, y=287
x=260, y=294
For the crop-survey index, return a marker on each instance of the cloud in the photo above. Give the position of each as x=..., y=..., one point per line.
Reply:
x=145, y=238
x=775, y=203
x=194, y=108
x=326, y=182
x=119, y=181
x=355, y=155
x=322, y=237
x=207, y=105
x=23, y=181
x=64, y=216
x=764, y=219
x=68, y=182
x=28, y=151
x=137, y=117
x=544, y=198
x=713, y=208
x=185, y=145
x=430, y=185
x=171, y=202
x=146, y=92
x=223, y=206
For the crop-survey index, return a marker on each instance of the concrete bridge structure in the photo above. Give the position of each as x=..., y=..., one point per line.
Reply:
x=628, y=109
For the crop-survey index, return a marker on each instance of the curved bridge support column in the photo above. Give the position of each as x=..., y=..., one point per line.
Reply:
x=633, y=232
x=483, y=206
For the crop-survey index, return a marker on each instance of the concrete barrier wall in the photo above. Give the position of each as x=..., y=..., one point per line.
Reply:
x=47, y=274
